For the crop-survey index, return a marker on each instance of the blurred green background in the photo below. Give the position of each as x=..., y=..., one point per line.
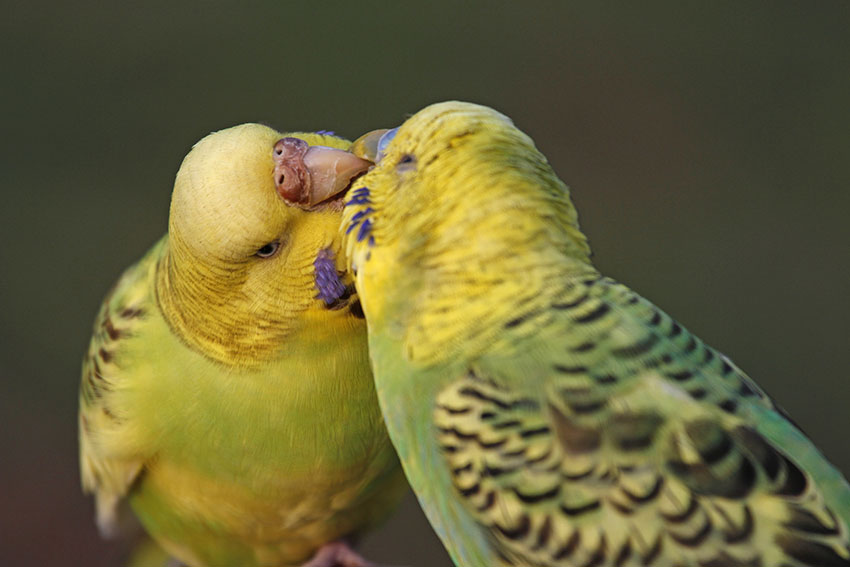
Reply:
x=707, y=146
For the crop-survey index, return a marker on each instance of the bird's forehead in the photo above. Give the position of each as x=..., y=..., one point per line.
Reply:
x=442, y=125
x=226, y=183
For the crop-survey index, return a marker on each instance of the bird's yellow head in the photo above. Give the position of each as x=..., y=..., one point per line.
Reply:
x=253, y=252
x=456, y=186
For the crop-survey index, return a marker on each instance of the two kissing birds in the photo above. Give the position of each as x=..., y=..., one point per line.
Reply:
x=326, y=322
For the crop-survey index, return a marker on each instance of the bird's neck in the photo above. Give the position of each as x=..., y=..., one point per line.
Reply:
x=477, y=279
x=204, y=306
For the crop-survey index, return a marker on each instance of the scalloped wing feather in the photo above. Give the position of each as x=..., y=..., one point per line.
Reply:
x=637, y=445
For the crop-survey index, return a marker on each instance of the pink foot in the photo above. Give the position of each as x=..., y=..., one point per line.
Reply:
x=337, y=554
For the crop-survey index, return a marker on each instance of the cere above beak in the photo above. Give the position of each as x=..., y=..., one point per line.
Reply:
x=371, y=145
x=306, y=175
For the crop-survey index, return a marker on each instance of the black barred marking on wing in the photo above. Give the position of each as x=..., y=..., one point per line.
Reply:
x=570, y=369
x=110, y=327
x=587, y=407
x=623, y=555
x=651, y=494
x=675, y=330
x=544, y=532
x=759, y=450
x=112, y=332
x=795, y=481
x=745, y=389
x=580, y=509
x=569, y=547
x=534, y=498
x=605, y=379
x=639, y=348
x=501, y=404
x=683, y=516
x=598, y=557
x=695, y=539
x=710, y=439
x=802, y=520
x=735, y=533
x=528, y=433
x=654, y=551
x=489, y=500
x=562, y=305
x=717, y=491
x=509, y=424
x=473, y=437
x=105, y=355
x=811, y=552
x=515, y=322
x=698, y=393
x=681, y=376
x=457, y=470
x=595, y=314
x=456, y=411
x=518, y=531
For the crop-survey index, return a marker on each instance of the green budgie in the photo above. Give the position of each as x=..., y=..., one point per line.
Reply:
x=545, y=414
x=226, y=394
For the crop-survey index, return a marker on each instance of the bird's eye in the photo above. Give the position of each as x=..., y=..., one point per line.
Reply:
x=268, y=250
x=406, y=162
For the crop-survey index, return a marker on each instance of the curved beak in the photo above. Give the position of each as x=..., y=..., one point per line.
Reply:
x=331, y=171
x=366, y=146
x=307, y=175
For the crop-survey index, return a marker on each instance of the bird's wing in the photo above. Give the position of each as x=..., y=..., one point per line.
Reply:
x=110, y=461
x=634, y=444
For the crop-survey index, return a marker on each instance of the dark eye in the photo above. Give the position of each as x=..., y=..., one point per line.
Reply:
x=268, y=250
x=406, y=162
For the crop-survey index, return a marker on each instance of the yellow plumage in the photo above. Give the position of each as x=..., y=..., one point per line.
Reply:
x=544, y=414
x=223, y=396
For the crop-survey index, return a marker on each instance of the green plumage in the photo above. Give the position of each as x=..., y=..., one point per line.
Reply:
x=546, y=415
x=227, y=401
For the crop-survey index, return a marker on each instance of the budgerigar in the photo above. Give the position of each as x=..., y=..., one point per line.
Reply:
x=226, y=394
x=545, y=414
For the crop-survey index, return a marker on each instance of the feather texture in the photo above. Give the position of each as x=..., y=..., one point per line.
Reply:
x=547, y=415
x=223, y=397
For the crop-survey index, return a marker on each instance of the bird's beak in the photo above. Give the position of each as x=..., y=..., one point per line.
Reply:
x=371, y=145
x=331, y=171
x=308, y=175
x=366, y=146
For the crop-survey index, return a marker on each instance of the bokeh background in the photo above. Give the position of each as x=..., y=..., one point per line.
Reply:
x=707, y=145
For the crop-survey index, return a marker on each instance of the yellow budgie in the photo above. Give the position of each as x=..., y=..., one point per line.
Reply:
x=226, y=395
x=544, y=414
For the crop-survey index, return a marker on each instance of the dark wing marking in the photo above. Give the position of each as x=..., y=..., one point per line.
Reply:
x=101, y=420
x=637, y=450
